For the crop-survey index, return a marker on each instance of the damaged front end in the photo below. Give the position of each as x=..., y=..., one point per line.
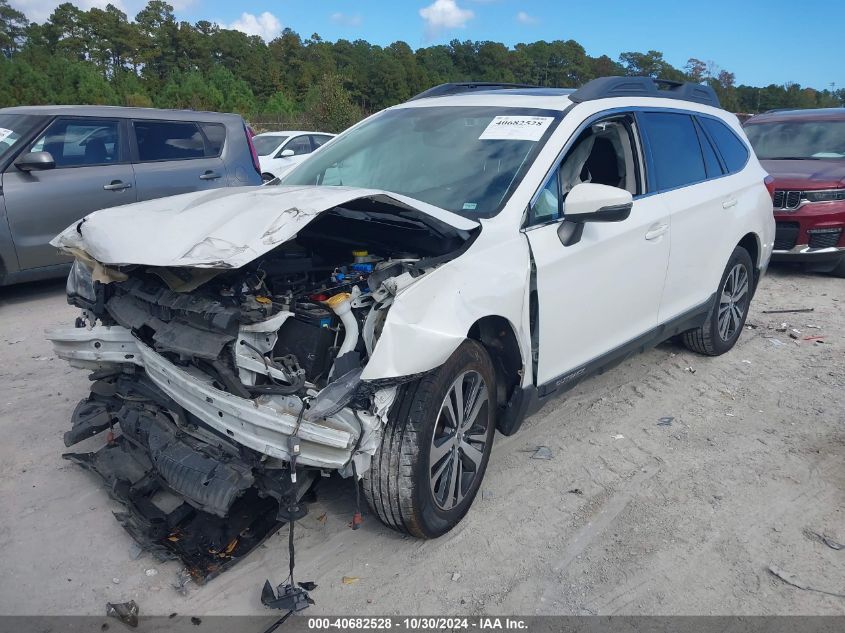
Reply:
x=222, y=371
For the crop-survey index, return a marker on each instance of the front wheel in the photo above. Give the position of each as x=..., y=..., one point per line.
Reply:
x=435, y=447
x=727, y=316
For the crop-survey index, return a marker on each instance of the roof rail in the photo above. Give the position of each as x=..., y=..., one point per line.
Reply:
x=457, y=88
x=607, y=87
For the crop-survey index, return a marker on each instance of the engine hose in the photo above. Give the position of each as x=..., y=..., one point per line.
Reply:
x=278, y=388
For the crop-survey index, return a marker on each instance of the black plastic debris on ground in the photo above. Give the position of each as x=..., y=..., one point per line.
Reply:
x=206, y=543
x=126, y=612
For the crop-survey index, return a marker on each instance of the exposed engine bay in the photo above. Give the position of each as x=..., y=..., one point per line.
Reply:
x=234, y=388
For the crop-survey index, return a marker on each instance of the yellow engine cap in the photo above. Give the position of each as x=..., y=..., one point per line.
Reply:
x=360, y=253
x=335, y=300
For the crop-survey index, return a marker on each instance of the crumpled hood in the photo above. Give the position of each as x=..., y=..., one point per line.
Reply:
x=800, y=174
x=222, y=228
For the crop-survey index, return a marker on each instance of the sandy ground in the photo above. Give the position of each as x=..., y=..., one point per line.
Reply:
x=680, y=519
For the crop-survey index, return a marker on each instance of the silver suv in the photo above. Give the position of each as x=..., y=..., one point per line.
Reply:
x=59, y=163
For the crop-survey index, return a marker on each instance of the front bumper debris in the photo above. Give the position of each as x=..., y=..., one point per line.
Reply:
x=183, y=498
x=264, y=424
x=203, y=475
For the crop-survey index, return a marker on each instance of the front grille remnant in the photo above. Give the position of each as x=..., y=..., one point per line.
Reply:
x=784, y=200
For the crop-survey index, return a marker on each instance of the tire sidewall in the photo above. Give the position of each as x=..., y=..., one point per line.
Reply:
x=433, y=520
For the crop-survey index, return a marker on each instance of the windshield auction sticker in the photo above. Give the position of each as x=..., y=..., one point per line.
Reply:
x=5, y=133
x=516, y=128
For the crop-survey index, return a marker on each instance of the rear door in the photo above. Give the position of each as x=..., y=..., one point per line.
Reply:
x=92, y=172
x=686, y=172
x=173, y=157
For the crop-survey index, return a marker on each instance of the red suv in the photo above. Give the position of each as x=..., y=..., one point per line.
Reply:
x=804, y=152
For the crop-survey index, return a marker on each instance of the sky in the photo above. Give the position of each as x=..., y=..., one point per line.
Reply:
x=761, y=41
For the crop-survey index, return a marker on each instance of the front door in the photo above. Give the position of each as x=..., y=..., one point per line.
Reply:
x=92, y=172
x=604, y=290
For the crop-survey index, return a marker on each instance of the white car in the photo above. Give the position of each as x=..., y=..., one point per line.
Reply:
x=279, y=152
x=433, y=275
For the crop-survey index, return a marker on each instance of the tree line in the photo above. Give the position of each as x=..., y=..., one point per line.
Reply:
x=100, y=56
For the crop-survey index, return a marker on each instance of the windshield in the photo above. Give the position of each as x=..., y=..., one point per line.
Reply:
x=808, y=140
x=464, y=159
x=265, y=145
x=12, y=128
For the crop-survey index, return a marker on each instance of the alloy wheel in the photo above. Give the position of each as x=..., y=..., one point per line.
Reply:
x=459, y=440
x=733, y=302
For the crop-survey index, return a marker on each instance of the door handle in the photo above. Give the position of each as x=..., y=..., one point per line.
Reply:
x=117, y=185
x=656, y=231
x=210, y=175
x=727, y=204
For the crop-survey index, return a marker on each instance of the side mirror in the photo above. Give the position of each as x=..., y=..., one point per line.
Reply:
x=590, y=202
x=287, y=153
x=35, y=161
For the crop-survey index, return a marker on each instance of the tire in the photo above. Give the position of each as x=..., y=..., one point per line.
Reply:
x=267, y=177
x=733, y=296
x=406, y=491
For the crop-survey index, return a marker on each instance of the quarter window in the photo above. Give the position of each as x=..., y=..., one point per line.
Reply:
x=733, y=151
x=319, y=139
x=79, y=143
x=168, y=140
x=675, y=151
x=215, y=136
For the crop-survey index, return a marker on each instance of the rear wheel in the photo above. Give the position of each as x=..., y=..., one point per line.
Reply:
x=727, y=317
x=435, y=446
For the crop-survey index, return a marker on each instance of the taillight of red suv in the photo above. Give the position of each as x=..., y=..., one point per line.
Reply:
x=770, y=186
x=255, y=163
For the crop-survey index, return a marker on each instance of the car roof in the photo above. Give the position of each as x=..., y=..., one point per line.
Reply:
x=293, y=133
x=809, y=114
x=554, y=99
x=123, y=112
x=540, y=98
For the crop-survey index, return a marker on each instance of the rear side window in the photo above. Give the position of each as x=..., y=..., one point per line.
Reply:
x=215, y=136
x=81, y=142
x=733, y=151
x=168, y=140
x=300, y=145
x=675, y=151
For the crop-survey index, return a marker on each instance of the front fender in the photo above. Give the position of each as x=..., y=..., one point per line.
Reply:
x=430, y=318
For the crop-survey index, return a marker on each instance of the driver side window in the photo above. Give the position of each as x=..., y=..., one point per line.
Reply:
x=605, y=153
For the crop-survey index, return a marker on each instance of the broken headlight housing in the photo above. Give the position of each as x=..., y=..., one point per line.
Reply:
x=80, y=285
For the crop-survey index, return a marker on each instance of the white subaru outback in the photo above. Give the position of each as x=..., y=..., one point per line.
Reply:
x=433, y=275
